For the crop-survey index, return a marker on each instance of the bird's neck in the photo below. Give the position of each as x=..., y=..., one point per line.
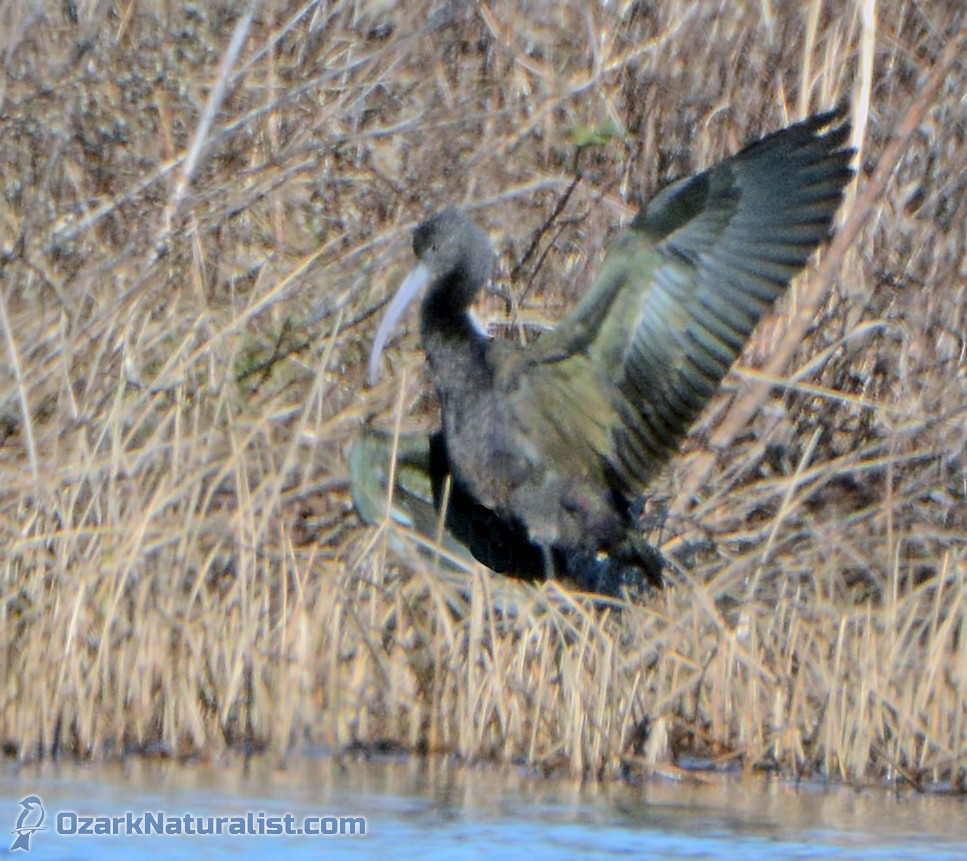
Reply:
x=456, y=350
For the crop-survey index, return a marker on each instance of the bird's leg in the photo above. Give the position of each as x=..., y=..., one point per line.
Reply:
x=545, y=504
x=550, y=569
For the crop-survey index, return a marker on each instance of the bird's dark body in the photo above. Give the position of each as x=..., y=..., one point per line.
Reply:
x=560, y=438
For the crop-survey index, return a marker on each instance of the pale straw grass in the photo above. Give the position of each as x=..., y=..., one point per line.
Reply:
x=202, y=213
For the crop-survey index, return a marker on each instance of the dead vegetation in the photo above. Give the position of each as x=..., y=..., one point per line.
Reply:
x=202, y=208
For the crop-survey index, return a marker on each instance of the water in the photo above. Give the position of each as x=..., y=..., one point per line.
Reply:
x=428, y=809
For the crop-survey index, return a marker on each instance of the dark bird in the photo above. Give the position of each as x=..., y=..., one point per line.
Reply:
x=559, y=439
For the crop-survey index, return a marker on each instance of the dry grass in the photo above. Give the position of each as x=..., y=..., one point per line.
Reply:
x=201, y=213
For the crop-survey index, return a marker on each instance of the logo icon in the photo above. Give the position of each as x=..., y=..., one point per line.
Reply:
x=31, y=819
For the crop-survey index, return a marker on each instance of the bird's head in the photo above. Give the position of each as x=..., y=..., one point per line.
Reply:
x=455, y=260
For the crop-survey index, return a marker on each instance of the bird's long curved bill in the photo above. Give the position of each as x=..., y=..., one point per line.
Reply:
x=408, y=291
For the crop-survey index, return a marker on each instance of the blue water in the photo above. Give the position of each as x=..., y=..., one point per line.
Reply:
x=427, y=810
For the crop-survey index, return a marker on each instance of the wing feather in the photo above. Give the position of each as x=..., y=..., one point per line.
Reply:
x=681, y=291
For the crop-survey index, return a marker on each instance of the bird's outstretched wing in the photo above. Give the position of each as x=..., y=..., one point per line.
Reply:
x=680, y=292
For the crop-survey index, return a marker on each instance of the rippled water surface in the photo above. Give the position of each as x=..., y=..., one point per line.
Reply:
x=427, y=809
